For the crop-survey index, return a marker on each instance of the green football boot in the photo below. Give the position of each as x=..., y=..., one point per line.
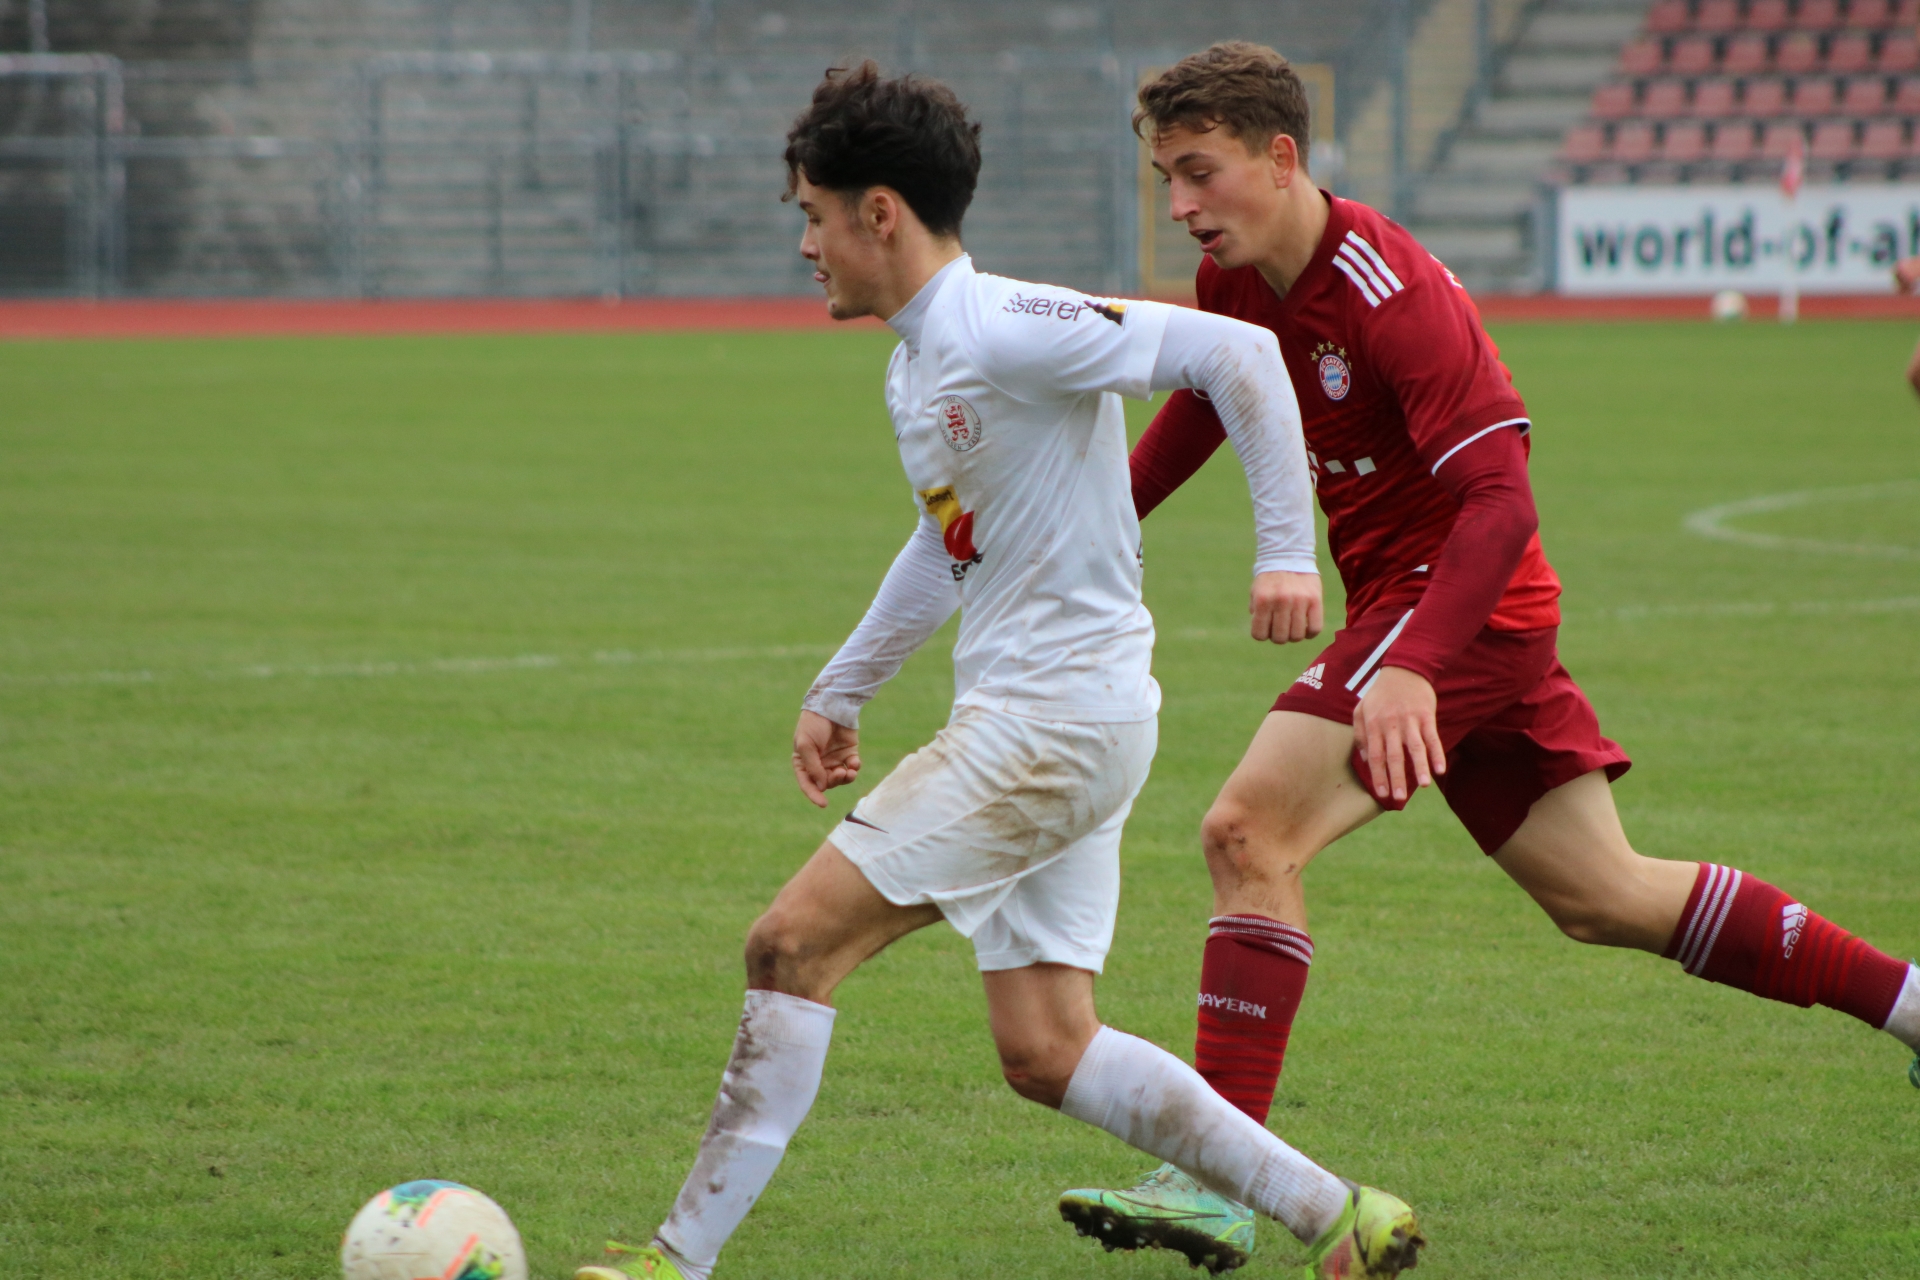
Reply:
x=1167, y=1210
x=1913, y=1071
x=1376, y=1236
x=646, y=1263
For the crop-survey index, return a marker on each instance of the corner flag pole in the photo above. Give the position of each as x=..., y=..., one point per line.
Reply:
x=1792, y=170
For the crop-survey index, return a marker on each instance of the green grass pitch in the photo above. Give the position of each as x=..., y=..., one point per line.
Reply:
x=393, y=746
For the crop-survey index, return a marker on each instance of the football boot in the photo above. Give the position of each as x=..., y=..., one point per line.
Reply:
x=1376, y=1235
x=1167, y=1210
x=1913, y=1071
x=648, y=1263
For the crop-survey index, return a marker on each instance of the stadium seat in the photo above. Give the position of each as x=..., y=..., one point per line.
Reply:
x=1713, y=98
x=1763, y=98
x=1747, y=55
x=1733, y=141
x=1633, y=142
x=1884, y=140
x=1669, y=16
x=1768, y=15
x=1865, y=96
x=1692, y=56
x=1684, y=142
x=1642, y=57
x=1717, y=15
x=1777, y=142
x=1799, y=53
x=1614, y=100
x=1813, y=96
x=1585, y=143
x=1817, y=15
x=1870, y=14
x=1906, y=97
x=1665, y=99
x=1899, y=52
x=1906, y=13
x=1832, y=140
x=1850, y=51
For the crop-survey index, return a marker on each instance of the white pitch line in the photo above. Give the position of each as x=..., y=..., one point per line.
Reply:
x=1711, y=523
x=430, y=666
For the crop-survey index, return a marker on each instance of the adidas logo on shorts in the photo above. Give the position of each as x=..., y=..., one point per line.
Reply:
x=1793, y=918
x=1314, y=677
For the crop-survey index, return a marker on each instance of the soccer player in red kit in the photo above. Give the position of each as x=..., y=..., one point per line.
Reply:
x=1446, y=672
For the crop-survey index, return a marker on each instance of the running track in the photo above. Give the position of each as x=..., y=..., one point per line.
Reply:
x=225, y=318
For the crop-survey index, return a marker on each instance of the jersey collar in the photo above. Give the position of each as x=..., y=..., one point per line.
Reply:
x=910, y=321
x=1339, y=222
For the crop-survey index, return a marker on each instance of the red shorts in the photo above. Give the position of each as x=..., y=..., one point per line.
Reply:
x=1512, y=721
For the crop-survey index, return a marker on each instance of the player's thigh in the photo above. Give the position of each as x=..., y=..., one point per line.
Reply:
x=1293, y=793
x=823, y=923
x=1572, y=856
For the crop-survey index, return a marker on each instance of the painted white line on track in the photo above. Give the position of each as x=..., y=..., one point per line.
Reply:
x=1712, y=522
x=431, y=666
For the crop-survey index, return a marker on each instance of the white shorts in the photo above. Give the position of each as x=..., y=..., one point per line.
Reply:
x=1012, y=828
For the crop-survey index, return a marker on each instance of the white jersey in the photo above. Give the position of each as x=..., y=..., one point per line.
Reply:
x=1005, y=399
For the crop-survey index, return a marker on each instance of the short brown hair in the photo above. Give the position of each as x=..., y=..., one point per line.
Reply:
x=1244, y=88
x=863, y=130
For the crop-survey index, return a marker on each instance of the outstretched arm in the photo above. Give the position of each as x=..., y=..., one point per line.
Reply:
x=915, y=598
x=1237, y=367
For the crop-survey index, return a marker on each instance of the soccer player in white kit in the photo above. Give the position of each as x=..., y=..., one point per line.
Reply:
x=1005, y=404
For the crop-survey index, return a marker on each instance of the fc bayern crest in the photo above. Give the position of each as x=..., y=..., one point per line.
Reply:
x=959, y=424
x=1335, y=379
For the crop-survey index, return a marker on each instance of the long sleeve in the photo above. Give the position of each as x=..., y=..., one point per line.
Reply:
x=915, y=598
x=1497, y=520
x=1238, y=368
x=1184, y=434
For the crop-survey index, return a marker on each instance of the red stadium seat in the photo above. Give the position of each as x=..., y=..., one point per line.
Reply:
x=1765, y=98
x=1865, y=96
x=1713, y=98
x=1799, y=53
x=1642, y=57
x=1814, y=97
x=1832, y=140
x=1717, y=15
x=1777, y=142
x=1767, y=15
x=1817, y=15
x=1733, y=141
x=1665, y=99
x=1685, y=142
x=1870, y=14
x=1906, y=13
x=1633, y=142
x=1584, y=144
x=1906, y=97
x=1849, y=52
x=1747, y=55
x=1692, y=56
x=1884, y=140
x=1669, y=16
x=1614, y=101
x=1899, y=52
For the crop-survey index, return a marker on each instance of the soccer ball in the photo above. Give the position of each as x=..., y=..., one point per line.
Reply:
x=430, y=1230
x=1729, y=304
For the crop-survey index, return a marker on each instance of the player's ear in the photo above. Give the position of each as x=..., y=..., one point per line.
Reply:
x=1284, y=154
x=879, y=212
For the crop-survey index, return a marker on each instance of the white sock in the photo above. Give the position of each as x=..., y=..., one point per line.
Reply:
x=1903, y=1024
x=768, y=1088
x=1144, y=1096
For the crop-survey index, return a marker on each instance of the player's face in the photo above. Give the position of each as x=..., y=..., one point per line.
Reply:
x=848, y=260
x=1230, y=196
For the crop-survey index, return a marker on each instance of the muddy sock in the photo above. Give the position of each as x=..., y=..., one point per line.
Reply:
x=1146, y=1097
x=768, y=1088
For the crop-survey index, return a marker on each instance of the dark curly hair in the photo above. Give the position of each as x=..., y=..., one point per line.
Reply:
x=908, y=133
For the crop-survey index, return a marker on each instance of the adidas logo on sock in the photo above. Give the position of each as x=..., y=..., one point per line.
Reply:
x=1227, y=1004
x=1314, y=676
x=1793, y=918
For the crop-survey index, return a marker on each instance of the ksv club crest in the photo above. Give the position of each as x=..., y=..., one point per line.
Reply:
x=959, y=424
x=1336, y=379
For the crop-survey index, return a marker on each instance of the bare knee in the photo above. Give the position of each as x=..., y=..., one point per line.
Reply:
x=778, y=956
x=1038, y=1072
x=1243, y=844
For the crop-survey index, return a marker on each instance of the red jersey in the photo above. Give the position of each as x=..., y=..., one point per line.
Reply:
x=1394, y=374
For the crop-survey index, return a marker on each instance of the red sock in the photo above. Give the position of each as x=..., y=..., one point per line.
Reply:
x=1251, y=980
x=1745, y=933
